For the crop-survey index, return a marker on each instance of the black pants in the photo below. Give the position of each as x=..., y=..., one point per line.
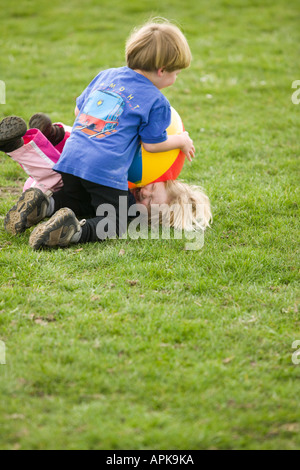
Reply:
x=90, y=201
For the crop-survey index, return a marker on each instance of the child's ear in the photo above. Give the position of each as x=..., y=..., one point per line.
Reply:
x=160, y=72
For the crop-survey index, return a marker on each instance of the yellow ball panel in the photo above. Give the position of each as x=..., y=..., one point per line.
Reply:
x=156, y=164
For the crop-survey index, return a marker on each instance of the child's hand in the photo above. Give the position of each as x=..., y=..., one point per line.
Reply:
x=187, y=146
x=177, y=141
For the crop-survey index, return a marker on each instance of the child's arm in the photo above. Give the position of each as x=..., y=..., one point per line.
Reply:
x=179, y=141
x=76, y=111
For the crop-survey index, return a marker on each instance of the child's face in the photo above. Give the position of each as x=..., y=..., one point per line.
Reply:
x=154, y=193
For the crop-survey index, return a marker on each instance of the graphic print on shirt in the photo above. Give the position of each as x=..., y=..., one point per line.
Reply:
x=100, y=115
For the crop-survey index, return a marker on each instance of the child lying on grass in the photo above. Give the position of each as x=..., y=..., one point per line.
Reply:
x=120, y=108
x=39, y=148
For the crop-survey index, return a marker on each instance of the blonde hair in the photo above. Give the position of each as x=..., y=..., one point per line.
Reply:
x=189, y=207
x=158, y=44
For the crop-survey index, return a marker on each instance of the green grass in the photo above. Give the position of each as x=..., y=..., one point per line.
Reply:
x=197, y=354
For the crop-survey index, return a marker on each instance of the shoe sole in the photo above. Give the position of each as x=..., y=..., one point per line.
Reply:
x=11, y=128
x=44, y=234
x=22, y=215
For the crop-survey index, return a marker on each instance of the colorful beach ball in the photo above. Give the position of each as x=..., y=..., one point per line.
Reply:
x=150, y=168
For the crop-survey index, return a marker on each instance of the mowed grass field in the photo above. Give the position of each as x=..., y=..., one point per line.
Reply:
x=140, y=344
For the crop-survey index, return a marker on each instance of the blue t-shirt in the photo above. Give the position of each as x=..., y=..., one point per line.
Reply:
x=119, y=109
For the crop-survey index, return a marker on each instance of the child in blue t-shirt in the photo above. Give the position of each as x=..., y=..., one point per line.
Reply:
x=121, y=108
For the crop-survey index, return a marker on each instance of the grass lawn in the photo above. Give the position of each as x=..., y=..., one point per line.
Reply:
x=196, y=353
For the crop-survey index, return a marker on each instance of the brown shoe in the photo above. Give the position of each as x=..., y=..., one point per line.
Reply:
x=53, y=132
x=12, y=130
x=58, y=231
x=30, y=209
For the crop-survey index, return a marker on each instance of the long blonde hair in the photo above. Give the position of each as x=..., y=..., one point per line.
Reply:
x=189, y=207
